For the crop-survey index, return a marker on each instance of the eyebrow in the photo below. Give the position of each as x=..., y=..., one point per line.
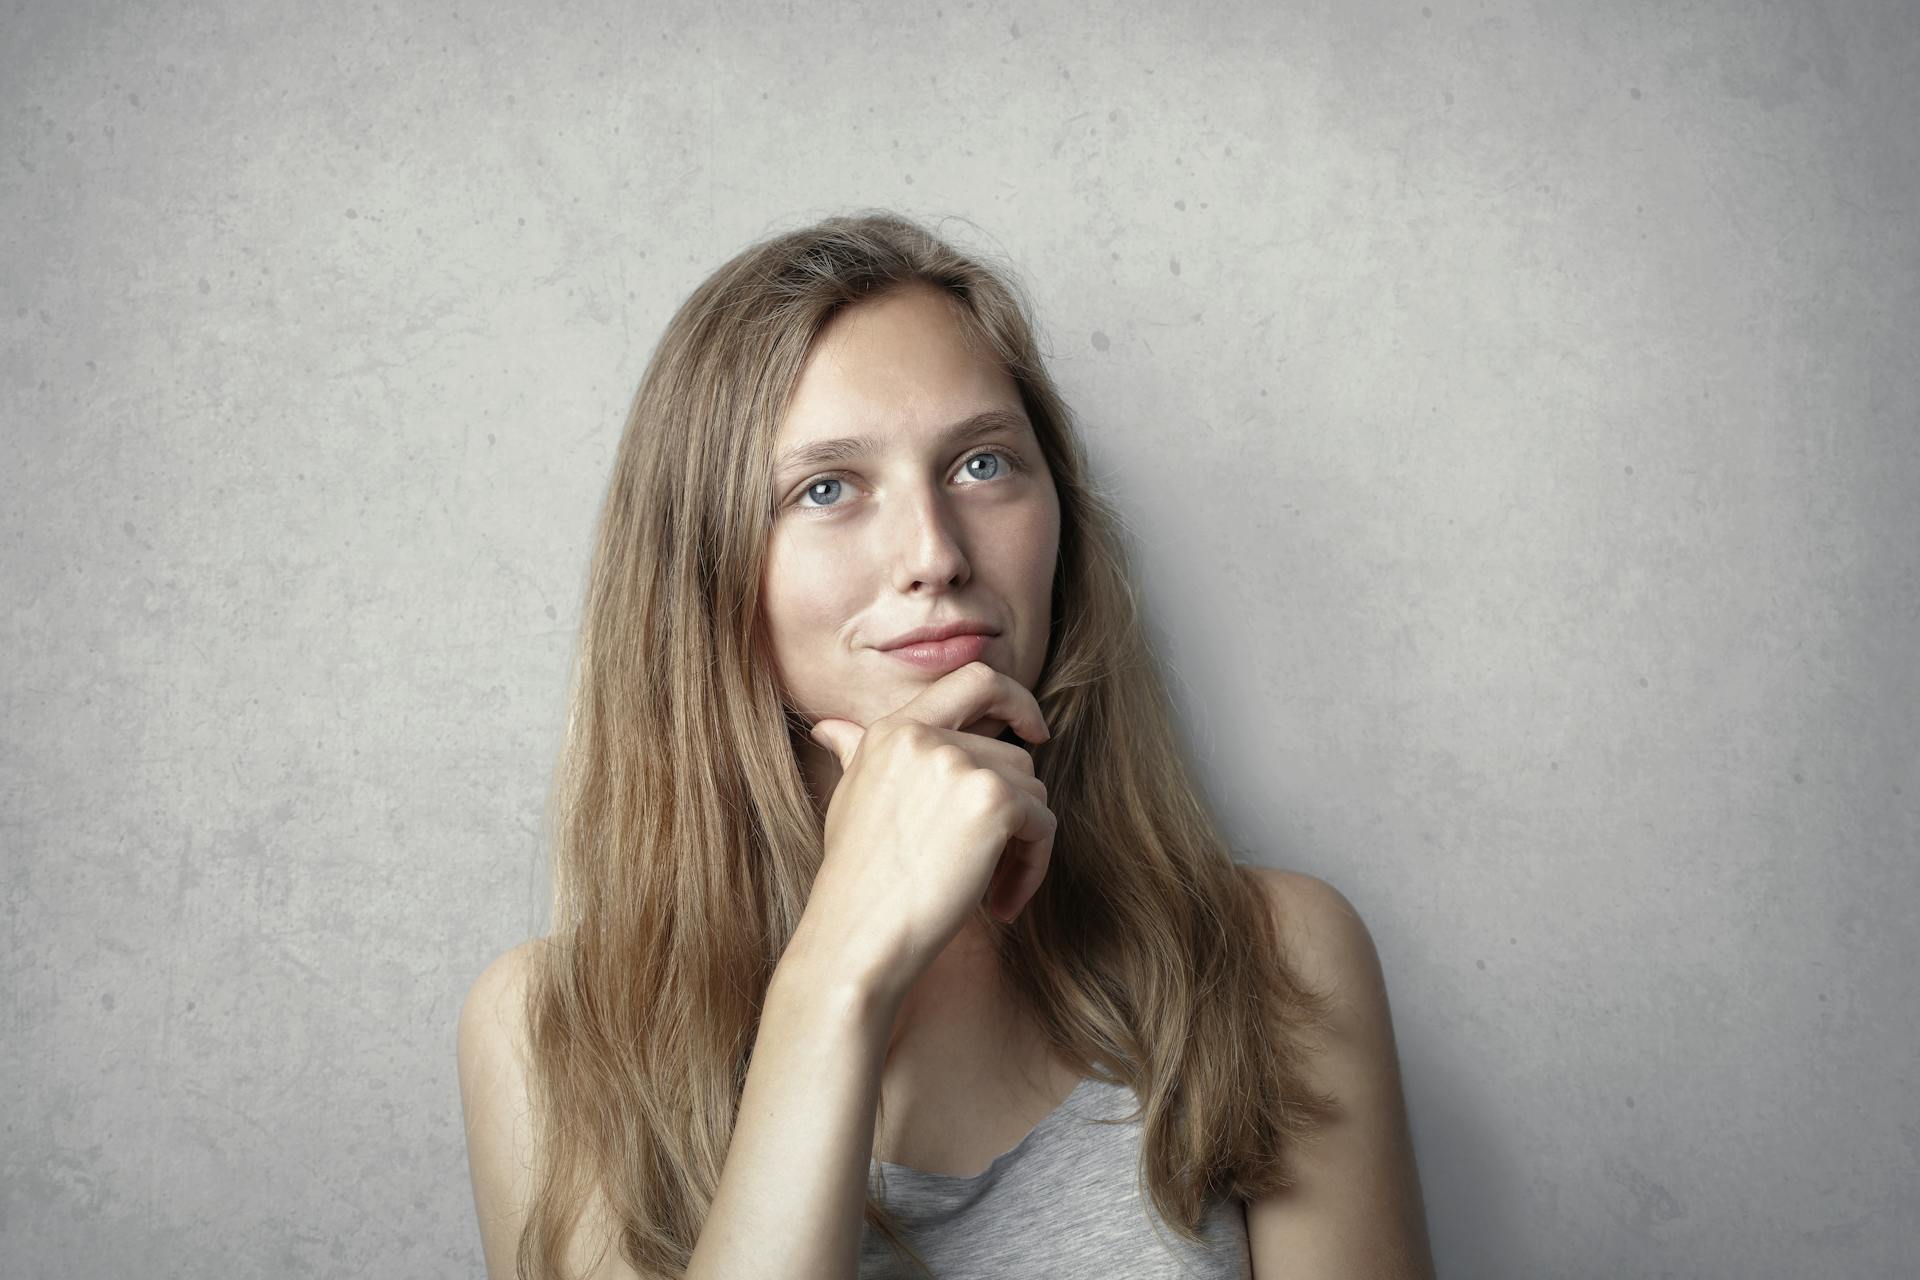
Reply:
x=846, y=448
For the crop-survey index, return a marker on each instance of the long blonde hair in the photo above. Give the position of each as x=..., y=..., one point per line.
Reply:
x=683, y=839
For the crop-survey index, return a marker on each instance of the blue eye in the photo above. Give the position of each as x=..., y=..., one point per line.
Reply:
x=837, y=477
x=824, y=480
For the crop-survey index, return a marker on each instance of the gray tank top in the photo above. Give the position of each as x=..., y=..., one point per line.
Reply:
x=1064, y=1204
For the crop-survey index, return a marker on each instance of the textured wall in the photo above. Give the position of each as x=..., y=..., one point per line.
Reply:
x=1514, y=404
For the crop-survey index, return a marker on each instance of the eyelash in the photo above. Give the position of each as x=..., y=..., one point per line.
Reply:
x=1013, y=459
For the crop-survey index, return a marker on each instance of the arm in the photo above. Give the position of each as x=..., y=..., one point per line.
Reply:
x=494, y=1098
x=790, y=1197
x=1355, y=1212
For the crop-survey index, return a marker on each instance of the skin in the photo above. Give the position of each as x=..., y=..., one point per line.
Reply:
x=964, y=1078
x=914, y=531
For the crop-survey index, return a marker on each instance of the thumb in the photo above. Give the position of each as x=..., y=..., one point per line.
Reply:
x=842, y=737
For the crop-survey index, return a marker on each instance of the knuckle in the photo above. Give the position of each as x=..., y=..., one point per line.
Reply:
x=990, y=786
x=945, y=755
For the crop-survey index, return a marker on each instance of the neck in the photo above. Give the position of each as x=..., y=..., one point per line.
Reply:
x=963, y=1053
x=957, y=1009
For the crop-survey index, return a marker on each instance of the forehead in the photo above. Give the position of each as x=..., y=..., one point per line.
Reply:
x=899, y=364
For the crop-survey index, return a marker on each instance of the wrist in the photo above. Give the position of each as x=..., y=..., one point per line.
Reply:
x=838, y=967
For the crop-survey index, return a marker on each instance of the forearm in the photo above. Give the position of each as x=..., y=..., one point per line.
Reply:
x=790, y=1198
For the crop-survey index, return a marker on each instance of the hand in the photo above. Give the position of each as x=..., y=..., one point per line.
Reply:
x=927, y=819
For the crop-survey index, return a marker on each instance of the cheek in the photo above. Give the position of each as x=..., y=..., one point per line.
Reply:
x=805, y=595
x=1032, y=542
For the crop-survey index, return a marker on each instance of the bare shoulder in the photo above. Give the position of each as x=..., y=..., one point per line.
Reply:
x=493, y=1026
x=1356, y=1207
x=494, y=1099
x=1324, y=935
x=498, y=1109
x=499, y=992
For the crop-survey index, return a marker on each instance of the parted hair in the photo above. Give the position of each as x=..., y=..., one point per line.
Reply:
x=683, y=841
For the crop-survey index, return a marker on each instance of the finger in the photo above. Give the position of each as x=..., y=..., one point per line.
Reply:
x=987, y=727
x=1031, y=852
x=968, y=693
x=842, y=737
x=1005, y=757
x=1019, y=878
x=1034, y=789
x=1038, y=822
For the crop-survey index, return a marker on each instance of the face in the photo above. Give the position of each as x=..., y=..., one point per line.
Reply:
x=914, y=527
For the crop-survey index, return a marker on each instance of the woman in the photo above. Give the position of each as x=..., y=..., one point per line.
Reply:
x=878, y=955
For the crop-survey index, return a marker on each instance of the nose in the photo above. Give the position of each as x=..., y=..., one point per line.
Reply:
x=929, y=548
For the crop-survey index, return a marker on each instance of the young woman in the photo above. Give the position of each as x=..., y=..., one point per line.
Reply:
x=891, y=933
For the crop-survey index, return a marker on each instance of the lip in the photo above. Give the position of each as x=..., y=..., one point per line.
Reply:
x=942, y=656
x=941, y=631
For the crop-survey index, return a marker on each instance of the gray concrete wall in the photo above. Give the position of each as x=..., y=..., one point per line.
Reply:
x=1514, y=406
